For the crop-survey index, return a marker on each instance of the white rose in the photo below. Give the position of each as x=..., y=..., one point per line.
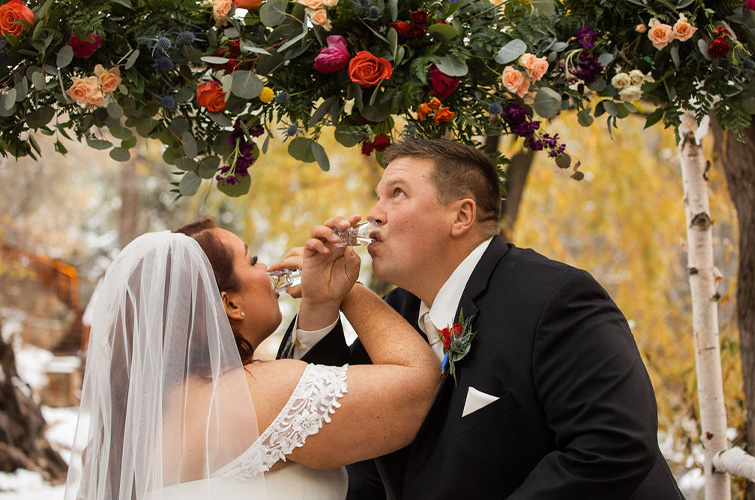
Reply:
x=631, y=93
x=637, y=76
x=621, y=80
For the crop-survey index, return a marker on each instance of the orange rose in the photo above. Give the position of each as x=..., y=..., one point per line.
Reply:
x=13, y=11
x=443, y=115
x=109, y=80
x=434, y=103
x=660, y=34
x=248, y=4
x=83, y=90
x=211, y=96
x=423, y=110
x=367, y=70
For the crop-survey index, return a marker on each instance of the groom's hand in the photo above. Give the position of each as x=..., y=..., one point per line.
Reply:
x=328, y=272
x=292, y=260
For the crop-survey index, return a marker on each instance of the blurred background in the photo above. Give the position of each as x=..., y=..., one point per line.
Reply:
x=64, y=218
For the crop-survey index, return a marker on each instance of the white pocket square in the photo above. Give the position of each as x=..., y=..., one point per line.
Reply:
x=476, y=400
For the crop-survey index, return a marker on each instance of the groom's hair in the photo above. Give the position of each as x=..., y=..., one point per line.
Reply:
x=460, y=171
x=221, y=261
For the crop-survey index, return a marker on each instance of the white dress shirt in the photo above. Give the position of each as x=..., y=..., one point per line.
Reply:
x=443, y=311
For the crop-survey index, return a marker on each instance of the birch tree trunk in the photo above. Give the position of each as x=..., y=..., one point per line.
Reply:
x=702, y=281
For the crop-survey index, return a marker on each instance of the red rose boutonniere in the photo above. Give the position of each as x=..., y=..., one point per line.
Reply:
x=457, y=341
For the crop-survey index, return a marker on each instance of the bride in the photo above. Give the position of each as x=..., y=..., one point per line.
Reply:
x=169, y=411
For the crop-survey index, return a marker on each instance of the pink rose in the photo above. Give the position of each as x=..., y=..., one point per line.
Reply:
x=84, y=90
x=84, y=49
x=535, y=66
x=334, y=57
x=683, y=30
x=660, y=34
x=640, y=28
x=221, y=9
x=442, y=84
x=749, y=4
x=108, y=79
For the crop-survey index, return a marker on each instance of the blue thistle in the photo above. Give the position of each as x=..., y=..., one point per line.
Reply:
x=163, y=64
x=282, y=98
x=495, y=109
x=374, y=12
x=168, y=103
x=290, y=130
x=186, y=37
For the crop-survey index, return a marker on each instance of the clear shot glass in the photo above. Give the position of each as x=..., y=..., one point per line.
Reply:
x=284, y=279
x=357, y=235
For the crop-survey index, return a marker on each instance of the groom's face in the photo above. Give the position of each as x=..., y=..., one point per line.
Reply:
x=413, y=224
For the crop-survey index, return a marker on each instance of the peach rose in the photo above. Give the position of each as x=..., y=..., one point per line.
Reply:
x=443, y=115
x=525, y=60
x=311, y=4
x=13, y=11
x=97, y=98
x=221, y=9
x=640, y=28
x=660, y=34
x=513, y=79
x=330, y=3
x=319, y=17
x=82, y=89
x=423, y=110
x=248, y=4
x=109, y=80
x=367, y=70
x=683, y=30
x=537, y=68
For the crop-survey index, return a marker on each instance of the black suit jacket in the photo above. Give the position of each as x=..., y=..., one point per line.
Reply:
x=575, y=417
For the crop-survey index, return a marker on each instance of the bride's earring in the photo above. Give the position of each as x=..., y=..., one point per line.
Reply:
x=242, y=314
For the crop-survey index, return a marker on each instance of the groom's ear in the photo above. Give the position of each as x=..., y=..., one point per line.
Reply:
x=464, y=217
x=232, y=307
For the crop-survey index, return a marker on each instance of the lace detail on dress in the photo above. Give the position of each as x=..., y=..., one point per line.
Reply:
x=313, y=400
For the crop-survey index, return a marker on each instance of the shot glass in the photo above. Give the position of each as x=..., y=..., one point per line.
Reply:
x=284, y=279
x=357, y=235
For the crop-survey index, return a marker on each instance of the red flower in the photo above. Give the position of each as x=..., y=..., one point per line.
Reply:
x=446, y=338
x=211, y=96
x=419, y=17
x=381, y=142
x=367, y=70
x=84, y=49
x=442, y=84
x=722, y=32
x=457, y=330
x=719, y=48
x=12, y=12
x=416, y=30
x=367, y=148
x=333, y=57
x=749, y=4
x=402, y=29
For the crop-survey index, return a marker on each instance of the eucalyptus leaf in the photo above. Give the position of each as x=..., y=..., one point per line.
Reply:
x=559, y=46
x=231, y=33
x=545, y=7
x=376, y=114
x=125, y=3
x=38, y=80
x=189, y=144
x=221, y=119
x=399, y=55
x=246, y=84
x=21, y=89
x=99, y=144
x=189, y=184
x=547, y=102
x=683, y=4
x=129, y=143
x=300, y=148
x=393, y=41
x=184, y=94
x=235, y=190
x=563, y=160
x=511, y=51
x=702, y=45
x=321, y=111
x=348, y=135
x=585, y=118
x=393, y=9
x=247, y=46
x=273, y=12
x=40, y=117
x=321, y=156
x=610, y=107
x=675, y=55
x=208, y=167
x=451, y=66
x=65, y=56
x=292, y=41
x=114, y=110
x=8, y=103
x=185, y=163
x=215, y=59
x=447, y=31
x=179, y=125
x=120, y=154
x=131, y=59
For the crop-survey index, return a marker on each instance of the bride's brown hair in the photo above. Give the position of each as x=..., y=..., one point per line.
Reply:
x=221, y=260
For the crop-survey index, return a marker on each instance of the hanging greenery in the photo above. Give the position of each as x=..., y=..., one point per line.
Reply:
x=215, y=80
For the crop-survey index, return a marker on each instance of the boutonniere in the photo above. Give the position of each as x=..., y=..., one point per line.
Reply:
x=457, y=341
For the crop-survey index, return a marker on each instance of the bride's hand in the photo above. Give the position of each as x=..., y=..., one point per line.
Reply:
x=292, y=260
x=328, y=272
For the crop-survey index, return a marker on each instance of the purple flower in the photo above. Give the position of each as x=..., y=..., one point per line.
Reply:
x=84, y=49
x=515, y=113
x=586, y=37
x=334, y=57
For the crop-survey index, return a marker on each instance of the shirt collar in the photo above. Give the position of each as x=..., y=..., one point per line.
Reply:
x=443, y=311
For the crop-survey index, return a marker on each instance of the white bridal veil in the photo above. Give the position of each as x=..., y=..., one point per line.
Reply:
x=165, y=401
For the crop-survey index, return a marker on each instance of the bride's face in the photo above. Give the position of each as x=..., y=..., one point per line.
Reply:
x=255, y=297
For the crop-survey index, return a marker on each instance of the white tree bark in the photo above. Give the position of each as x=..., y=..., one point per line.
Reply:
x=702, y=281
x=735, y=461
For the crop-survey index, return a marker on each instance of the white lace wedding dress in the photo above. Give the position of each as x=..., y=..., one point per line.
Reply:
x=309, y=407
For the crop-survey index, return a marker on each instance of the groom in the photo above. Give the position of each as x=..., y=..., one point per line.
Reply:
x=552, y=400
